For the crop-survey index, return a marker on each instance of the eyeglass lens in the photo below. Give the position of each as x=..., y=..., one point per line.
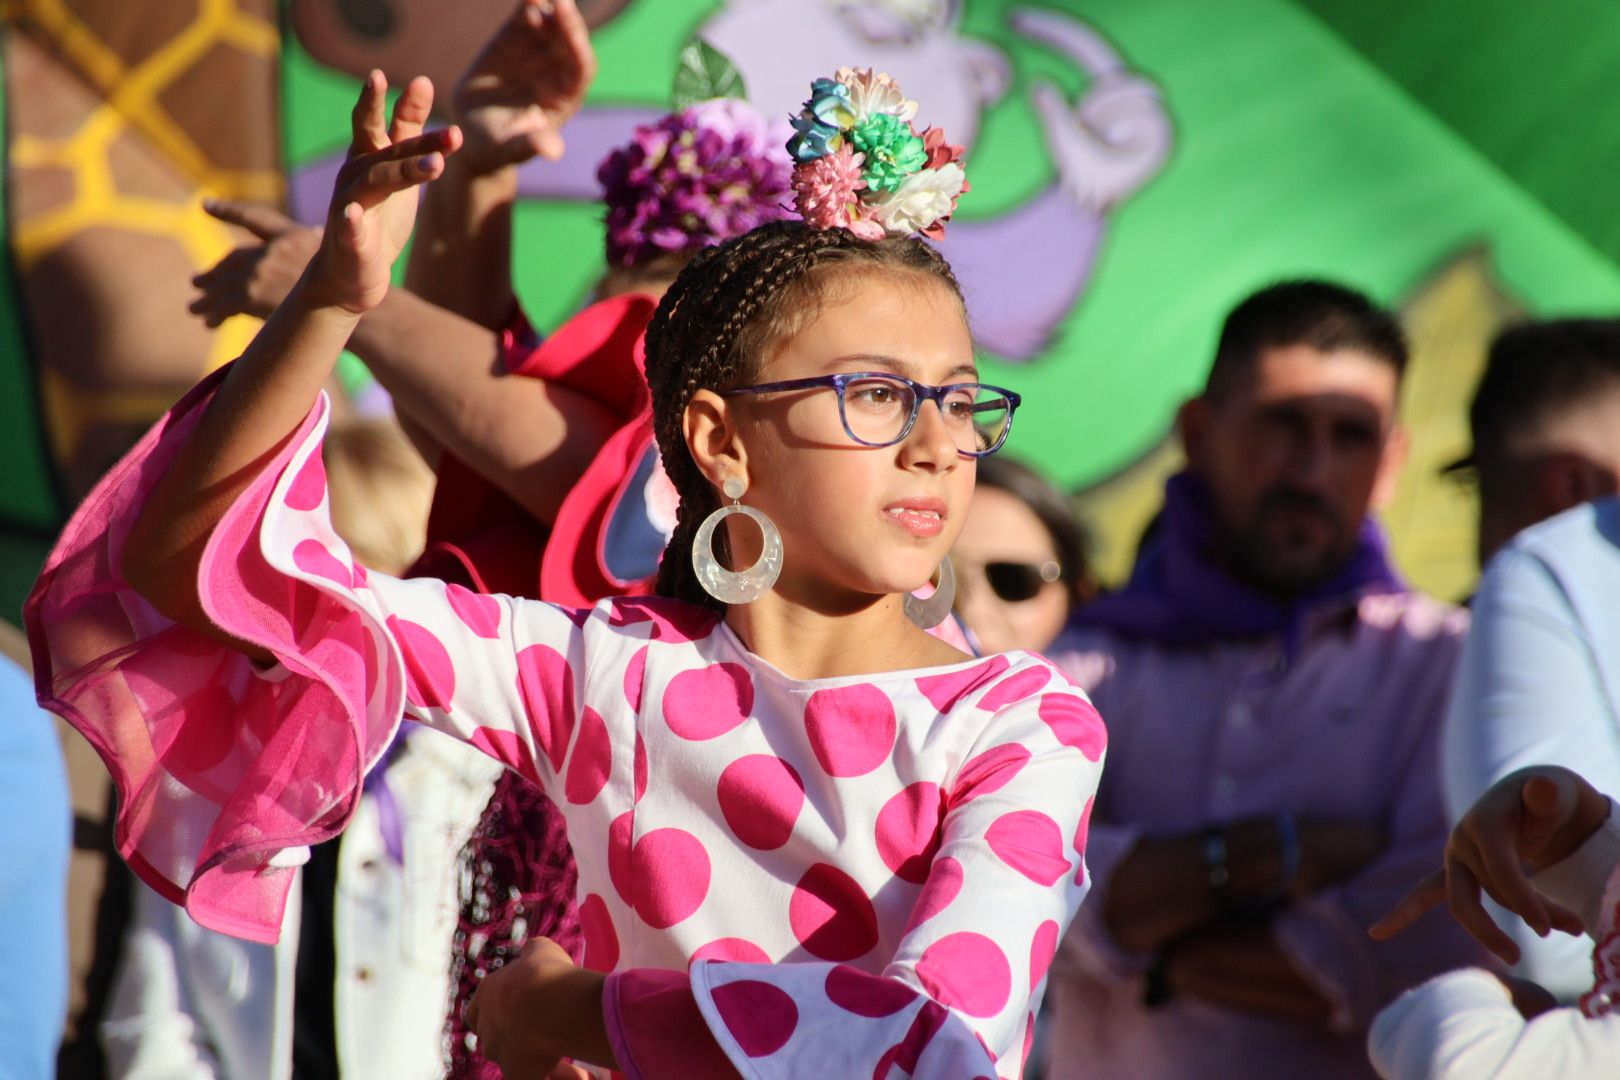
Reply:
x=877, y=409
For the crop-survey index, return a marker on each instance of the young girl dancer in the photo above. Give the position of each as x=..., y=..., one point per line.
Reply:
x=813, y=840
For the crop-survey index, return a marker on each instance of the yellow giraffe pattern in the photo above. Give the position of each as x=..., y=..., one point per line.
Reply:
x=131, y=101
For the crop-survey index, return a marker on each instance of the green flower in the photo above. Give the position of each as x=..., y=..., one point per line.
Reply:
x=893, y=150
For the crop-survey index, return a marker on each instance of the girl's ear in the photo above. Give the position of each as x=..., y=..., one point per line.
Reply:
x=710, y=428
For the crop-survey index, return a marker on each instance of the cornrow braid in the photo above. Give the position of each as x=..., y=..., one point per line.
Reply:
x=724, y=313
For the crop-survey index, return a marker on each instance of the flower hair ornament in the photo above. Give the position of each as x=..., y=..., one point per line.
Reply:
x=862, y=165
x=712, y=169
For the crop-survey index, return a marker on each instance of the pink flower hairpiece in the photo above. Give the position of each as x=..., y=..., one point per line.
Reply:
x=864, y=166
x=693, y=178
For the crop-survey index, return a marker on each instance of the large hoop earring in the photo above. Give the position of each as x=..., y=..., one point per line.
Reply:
x=931, y=612
x=736, y=586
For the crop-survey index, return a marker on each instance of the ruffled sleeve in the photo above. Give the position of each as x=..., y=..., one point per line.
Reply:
x=957, y=1000
x=223, y=768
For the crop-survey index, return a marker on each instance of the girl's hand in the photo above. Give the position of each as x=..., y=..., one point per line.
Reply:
x=374, y=200
x=256, y=278
x=525, y=85
x=537, y=1010
x=1531, y=818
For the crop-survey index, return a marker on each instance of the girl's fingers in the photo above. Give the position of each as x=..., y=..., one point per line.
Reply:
x=368, y=129
x=1462, y=888
x=1422, y=897
x=1505, y=880
x=264, y=222
x=383, y=178
x=370, y=178
x=577, y=33
x=412, y=109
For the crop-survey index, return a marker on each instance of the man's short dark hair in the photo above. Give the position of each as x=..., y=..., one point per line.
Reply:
x=1325, y=316
x=1538, y=370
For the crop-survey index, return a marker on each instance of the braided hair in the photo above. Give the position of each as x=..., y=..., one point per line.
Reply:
x=724, y=312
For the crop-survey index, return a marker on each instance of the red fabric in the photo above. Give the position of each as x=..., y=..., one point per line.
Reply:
x=479, y=536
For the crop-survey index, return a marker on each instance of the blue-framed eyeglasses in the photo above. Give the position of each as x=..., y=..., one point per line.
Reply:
x=880, y=409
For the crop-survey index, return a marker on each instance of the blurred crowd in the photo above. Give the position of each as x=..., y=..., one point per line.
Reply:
x=1294, y=731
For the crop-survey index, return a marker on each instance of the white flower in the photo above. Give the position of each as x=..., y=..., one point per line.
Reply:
x=871, y=93
x=922, y=199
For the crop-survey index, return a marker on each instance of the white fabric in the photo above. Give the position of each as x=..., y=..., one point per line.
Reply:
x=1539, y=684
x=1463, y=1026
x=192, y=1004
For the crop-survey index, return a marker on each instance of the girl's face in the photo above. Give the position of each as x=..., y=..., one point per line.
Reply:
x=1003, y=533
x=856, y=521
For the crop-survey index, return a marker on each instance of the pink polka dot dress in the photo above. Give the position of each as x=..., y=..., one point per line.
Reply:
x=848, y=877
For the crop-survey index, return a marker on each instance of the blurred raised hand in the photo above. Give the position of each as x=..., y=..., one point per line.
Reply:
x=525, y=85
x=1527, y=821
x=374, y=199
x=255, y=278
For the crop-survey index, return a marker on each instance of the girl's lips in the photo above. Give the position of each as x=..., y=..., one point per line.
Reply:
x=920, y=517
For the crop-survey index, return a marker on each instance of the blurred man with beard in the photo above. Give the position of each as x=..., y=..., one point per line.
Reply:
x=1274, y=695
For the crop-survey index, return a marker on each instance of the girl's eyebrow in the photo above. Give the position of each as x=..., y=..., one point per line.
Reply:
x=899, y=367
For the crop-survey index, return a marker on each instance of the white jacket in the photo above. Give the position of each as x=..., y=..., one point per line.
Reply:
x=190, y=1003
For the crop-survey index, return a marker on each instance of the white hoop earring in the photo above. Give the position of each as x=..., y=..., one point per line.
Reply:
x=736, y=586
x=931, y=612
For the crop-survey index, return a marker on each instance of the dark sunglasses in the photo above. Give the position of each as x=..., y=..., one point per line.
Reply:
x=1016, y=582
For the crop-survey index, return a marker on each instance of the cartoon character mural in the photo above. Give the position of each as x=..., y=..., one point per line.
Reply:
x=1023, y=269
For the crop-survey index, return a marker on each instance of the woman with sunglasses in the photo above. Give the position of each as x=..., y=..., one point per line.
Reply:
x=1020, y=561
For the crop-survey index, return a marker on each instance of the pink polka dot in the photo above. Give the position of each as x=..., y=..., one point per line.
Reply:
x=944, y=691
x=734, y=950
x=851, y=728
x=430, y=679
x=1016, y=687
x=639, y=767
x=360, y=578
x=989, y=771
x=481, y=613
x=944, y=883
x=908, y=831
x=508, y=749
x=311, y=557
x=760, y=797
x=601, y=942
x=546, y=683
x=706, y=702
x=1074, y=723
x=1031, y=843
x=761, y=1017
x=1041, y=951
x=1081, y=832
x=855, y=991
x=673, y=620
x=671, y=876
x=309, y=486
x=621, y=834
x=968, y=972
x=592, y=760
x=635, y=673
x=831, y=915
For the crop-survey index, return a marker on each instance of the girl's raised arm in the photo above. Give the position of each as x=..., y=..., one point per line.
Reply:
x=270, y=389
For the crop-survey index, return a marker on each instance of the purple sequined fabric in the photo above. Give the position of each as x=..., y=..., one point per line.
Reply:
x=517, y=881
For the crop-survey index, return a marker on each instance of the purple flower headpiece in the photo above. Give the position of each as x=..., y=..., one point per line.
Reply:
x=696, y=177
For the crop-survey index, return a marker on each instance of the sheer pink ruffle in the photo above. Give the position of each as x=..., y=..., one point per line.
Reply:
x=205, y=748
